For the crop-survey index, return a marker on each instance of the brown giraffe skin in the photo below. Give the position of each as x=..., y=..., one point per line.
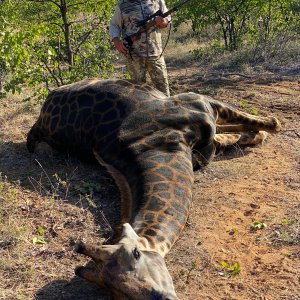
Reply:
x=150, y=145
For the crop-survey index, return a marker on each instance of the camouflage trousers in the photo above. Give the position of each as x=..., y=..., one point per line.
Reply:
x=156, y=67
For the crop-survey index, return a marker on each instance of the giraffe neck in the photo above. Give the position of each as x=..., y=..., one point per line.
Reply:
x=167, y=194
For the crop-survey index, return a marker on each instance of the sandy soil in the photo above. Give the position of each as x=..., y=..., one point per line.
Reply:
x=238, y=188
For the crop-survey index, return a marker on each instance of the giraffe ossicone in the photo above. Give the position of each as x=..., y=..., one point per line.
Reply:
x=150, y=144
x=126, y=268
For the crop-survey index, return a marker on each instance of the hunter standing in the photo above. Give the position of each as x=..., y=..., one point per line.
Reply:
x=145, y=54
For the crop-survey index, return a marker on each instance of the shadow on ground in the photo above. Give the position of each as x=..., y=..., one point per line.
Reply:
x=43, y=174
x=75, y=289
x=49, y=173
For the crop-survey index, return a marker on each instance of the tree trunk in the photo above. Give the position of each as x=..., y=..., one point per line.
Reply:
x=69, y=51
x=224, y=31
x=232, y=35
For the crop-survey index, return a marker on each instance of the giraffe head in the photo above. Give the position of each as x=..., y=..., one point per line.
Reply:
x=128, y=270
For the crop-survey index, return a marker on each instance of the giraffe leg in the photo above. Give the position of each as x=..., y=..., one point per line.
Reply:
x=123, y=186
x=201, y=157
x=244, y=138
x=252, y=138
x=230, y=119
x=226, y=140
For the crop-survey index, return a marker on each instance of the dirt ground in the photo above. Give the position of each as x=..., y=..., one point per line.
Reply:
x=69, y=200
x=238, y=188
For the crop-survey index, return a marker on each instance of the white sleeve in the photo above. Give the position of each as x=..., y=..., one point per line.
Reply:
x=164, y=9
x=115, y=26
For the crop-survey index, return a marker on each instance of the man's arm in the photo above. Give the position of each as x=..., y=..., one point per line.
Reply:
x=115, y=31
x=160, y=21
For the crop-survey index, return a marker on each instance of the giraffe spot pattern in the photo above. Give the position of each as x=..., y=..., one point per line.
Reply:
x=146, y=137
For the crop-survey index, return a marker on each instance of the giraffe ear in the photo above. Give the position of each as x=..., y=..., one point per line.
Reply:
x=128, y=232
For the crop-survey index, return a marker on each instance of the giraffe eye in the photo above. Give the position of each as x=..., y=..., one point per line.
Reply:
x=136, y=253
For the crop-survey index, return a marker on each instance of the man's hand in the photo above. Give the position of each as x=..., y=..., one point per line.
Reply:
x=120, y=46
x=161, y=22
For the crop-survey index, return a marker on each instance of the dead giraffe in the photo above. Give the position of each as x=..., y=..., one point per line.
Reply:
x=149, y=144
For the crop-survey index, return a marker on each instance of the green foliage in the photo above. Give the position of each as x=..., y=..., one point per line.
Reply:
x=50, y=43
x=232, y=270
x=257, y=21
x=248, y=107
x=60, y=182
x=88, y=188
x=258, y=225
x=288, y=222
x=54, y=42
x=233, y=231
x=229, y=16
x=207, y=54
x=39, y=239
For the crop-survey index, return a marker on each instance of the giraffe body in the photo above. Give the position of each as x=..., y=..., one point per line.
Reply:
x=149, y=144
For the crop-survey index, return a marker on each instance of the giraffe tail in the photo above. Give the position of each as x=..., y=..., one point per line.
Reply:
x=33, y=138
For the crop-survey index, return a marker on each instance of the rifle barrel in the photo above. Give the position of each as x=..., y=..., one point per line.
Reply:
x=147, y=25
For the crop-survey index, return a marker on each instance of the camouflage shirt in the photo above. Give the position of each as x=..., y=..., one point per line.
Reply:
x=125, y=18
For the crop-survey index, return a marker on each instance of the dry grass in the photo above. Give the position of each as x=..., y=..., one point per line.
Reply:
x=73, y=201
x=27, y=266
x=206, y=51
x=45, y=192
x=180, y=46
x=284, y=232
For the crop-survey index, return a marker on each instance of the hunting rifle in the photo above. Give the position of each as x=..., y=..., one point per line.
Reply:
x=149, y=22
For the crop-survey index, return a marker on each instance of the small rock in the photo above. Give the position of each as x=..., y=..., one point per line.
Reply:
x=255, y=206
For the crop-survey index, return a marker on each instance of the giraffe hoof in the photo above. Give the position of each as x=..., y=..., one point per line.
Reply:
x=277, y=124
x=78, y=271
x=80, y=248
